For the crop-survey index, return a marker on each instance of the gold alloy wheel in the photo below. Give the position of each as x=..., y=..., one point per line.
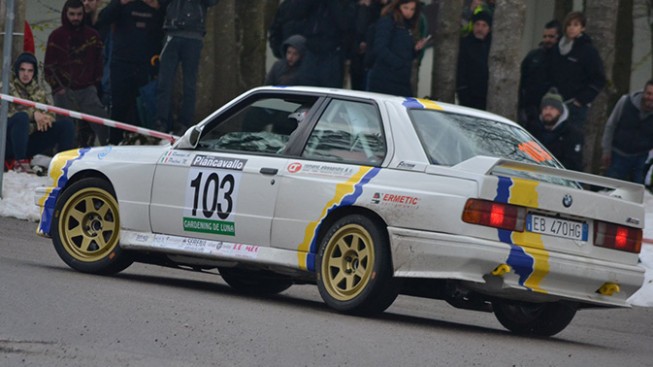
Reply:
x=348, y=262
x=89, y=225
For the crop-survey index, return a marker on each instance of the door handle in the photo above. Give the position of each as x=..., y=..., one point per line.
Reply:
x=269, y=171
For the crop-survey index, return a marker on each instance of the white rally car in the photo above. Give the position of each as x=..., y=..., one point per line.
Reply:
x=367, y=195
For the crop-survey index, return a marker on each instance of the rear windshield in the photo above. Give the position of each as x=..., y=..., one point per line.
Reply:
x=449, y=139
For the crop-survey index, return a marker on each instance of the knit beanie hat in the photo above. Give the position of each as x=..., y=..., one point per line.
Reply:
x=484, y=16
x=553, y=99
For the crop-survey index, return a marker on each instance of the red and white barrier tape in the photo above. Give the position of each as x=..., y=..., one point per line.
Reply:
x=90, y=118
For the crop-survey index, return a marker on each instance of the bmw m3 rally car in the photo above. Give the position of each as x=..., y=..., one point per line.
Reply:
x=366, y=195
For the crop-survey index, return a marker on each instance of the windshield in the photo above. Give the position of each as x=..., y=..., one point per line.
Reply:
x=449, y=139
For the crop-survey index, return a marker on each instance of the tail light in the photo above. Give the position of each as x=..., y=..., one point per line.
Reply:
x=493, y=214
x=617, y=237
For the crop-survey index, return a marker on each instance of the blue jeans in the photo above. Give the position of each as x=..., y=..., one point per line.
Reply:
x=187, y=52
x=627, y=168
x=21, y=144
x=17, y=136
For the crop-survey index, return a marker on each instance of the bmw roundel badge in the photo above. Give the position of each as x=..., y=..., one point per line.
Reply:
x=567, y=201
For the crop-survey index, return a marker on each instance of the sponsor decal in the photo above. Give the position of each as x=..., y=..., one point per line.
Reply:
x=104, y=152
x=218, y=227
x=535, y=151
x=406, y=165
x=395, y=200
x=294, y=167
x=176, y=157
x=328, y=170
x=218, y=162
x=632, y=220
x=140, y=237
x=208, y=247
x=240, y=250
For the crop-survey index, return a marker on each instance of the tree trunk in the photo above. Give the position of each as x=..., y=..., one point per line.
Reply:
x=649, y=15
x=233, y=58
x=445, y=50
x=624, y=48
x=19, y=21
x=508, y=26
x=561, y=9
x=601, y=26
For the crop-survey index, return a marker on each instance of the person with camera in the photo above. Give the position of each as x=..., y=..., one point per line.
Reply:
x=184, y=26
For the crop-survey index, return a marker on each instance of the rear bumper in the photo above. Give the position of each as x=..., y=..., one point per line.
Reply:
x=537, y=275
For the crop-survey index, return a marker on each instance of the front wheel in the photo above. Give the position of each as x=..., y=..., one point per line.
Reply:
x=86, y=228
x=354, y=265
x=541, y=319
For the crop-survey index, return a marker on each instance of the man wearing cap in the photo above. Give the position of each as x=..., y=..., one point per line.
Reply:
x=553, y=130
x=628, y=136
x=30, y=131
x=473, y=71
x=534, y=79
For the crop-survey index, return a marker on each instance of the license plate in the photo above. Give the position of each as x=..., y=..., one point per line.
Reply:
x=557, y=227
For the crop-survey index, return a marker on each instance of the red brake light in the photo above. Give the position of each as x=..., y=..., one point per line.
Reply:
x=492, y=214
x=497, y=215
x=617, y=237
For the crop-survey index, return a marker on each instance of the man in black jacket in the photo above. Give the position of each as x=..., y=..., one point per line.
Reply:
x=185, y=26
x=628, y=136
x=534, y=81
x=325, y=24
x=553, y=130
x=473, y=71
x=577, y=69
x=136, y=39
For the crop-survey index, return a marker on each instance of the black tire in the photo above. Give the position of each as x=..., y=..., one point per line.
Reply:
x=86, y=228
x=541, y=319
x=255, y=281
x=354, y=267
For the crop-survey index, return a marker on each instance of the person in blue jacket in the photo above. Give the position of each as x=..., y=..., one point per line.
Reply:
x=395, y=48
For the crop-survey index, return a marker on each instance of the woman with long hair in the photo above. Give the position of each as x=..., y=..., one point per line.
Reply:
x=395, y=47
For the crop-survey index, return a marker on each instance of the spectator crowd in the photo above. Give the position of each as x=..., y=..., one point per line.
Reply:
x=119, y=59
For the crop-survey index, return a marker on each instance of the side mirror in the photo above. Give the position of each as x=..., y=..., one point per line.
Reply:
x=194, y=135
x=191, y=138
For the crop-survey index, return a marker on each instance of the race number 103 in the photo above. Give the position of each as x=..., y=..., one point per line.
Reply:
x=214, y=193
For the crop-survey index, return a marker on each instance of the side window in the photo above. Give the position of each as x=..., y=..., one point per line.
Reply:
x=261, y=125
x=347, y=131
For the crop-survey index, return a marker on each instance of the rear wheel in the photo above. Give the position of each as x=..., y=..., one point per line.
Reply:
x=355, y=268
x=255, y=281
x=542, y=319
x=86, y=228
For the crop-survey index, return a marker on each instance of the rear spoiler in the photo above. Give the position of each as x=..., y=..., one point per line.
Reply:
x=504, y=167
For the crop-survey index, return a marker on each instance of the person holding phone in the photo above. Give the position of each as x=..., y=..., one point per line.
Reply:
x=395, y=47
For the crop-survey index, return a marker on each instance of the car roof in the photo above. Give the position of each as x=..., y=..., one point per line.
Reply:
x=407, y=102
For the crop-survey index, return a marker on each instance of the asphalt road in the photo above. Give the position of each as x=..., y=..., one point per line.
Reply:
x=53, y=316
